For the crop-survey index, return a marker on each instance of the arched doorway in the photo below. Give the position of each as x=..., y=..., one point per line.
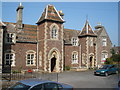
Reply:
x=53, y=64
x=54, y=60
x=91, y=58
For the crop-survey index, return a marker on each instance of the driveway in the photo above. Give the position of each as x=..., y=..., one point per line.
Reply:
x=86, y=79
x=83, y=79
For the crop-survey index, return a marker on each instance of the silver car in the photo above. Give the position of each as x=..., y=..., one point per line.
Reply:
x=33, y=84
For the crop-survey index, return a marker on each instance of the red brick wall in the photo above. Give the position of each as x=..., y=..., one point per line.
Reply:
x=68, y=55
x=20, y=54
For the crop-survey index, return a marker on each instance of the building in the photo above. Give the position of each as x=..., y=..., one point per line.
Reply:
x=49, y=47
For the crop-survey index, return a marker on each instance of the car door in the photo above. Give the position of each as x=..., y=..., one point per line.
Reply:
x=112, y=69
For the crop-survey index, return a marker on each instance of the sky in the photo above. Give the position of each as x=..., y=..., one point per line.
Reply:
x=75, y=14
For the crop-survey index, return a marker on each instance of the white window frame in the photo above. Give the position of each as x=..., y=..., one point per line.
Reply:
x=75, y=57
x=54, y=32
x=10, y=59
x=104, y=41
x=10, y=38
x=30, y=59
x=104, y=55
x=91, y=42
x=74, y=41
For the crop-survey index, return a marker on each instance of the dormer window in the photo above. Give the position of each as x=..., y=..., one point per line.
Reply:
x=10, y=38
x=74, y=41
x=54, y=33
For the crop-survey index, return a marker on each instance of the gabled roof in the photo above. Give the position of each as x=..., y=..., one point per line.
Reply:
x=28, y=34
x=69, y=33
x=50, y=13
x=87, y=30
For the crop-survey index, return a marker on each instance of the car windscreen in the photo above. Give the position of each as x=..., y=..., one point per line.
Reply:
x=19, y=86
x=105, y=67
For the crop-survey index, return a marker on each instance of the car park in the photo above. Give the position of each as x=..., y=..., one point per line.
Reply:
x=38, y=84
x=106, y=70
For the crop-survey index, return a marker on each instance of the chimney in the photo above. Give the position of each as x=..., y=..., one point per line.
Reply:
x=19, y=25
x=61, y=13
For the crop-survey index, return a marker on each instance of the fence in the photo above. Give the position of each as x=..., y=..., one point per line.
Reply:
x=10, y=79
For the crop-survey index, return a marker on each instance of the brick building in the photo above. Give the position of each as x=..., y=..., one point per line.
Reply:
x=49, y=47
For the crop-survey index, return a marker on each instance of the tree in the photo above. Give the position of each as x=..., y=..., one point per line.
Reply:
x=112, y=51
x=109, y=61
x=116, y=57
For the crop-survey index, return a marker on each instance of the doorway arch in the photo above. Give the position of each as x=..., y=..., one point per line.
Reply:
x=91, y=61
x=53, y=64
x=54, y=60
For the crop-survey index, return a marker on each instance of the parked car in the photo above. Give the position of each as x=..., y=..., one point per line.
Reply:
x=106, y=70
x=38, y=84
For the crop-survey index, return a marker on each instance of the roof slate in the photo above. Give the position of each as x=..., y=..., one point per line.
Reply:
x=87, y=30
x=69, y=33
x=28, y=34
x=50, y=13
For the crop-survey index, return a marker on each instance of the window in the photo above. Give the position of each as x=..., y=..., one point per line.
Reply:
x=30, y=58
x=104, y=41
x=74, y=57
x=91, y=42
x=19, y=86
x=10, y=38
x=9, y=59
x=104, y=56
x=75, y=41
x=38, y=87
x=52, y=86
x=54, y=33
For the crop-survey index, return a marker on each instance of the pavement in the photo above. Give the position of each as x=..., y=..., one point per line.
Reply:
x=80, y=79
x=87, y=79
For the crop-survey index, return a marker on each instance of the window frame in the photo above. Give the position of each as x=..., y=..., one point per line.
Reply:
x=10, y=38
x=74, y=57
x=104, y=41
x=104, y=56
x=54, y=32
x=74, y=41
x=31, y=58
x=11, y=61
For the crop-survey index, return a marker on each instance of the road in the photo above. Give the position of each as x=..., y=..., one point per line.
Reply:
x=86, y=79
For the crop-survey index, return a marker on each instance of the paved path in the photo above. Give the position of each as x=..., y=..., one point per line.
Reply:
x=86, y=79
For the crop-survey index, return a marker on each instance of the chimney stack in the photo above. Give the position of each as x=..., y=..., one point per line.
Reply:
x=19, y=25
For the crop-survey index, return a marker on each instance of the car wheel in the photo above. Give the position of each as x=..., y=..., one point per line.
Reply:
x=106, y=74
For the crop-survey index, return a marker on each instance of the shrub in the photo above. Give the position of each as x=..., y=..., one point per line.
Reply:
x=67, y=68
x=109, y=61
x=16, y=71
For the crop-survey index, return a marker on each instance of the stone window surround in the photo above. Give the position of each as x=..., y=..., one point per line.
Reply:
x=30, y=52
x=51, y=29
x=10, y=38
x=13, y=58
x=104, y=54
x=74, y=41
x=74, y=57
x=104, y=41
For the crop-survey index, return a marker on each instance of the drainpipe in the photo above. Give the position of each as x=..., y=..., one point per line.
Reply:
x=37, y=50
